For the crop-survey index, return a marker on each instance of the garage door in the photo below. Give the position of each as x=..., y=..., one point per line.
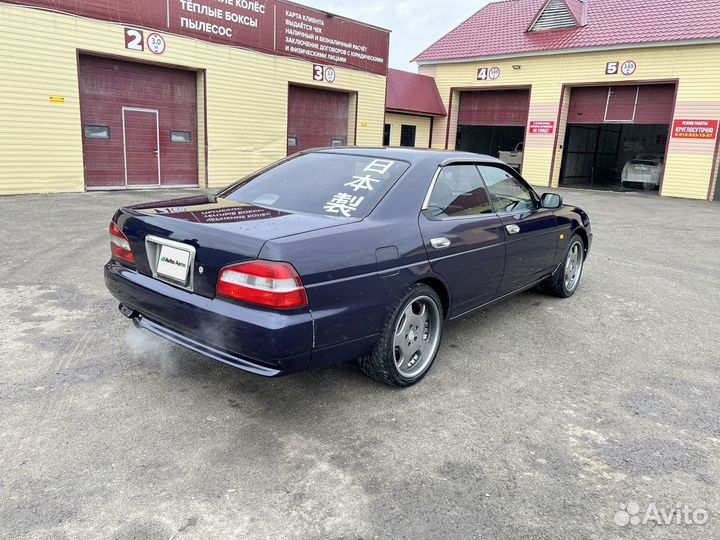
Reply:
x=617, y=136
x=494, y=108
x=650, y=104
x=139, y=124
x=493, y=122
x=316, y=118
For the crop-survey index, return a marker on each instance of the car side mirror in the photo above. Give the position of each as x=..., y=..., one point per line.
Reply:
x=551, y=201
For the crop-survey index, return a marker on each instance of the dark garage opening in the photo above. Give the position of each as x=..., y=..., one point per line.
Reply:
x=493, y=121
x=617, y=137
x=596, y=154
x=490, y=140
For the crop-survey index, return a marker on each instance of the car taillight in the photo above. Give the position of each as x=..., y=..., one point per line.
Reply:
x=119, y=245
x=264, y=283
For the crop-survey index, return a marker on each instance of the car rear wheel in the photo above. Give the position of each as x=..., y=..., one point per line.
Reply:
x=567, y=278
x=409, y=340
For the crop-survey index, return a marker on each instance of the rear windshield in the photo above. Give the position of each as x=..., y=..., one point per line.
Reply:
x=338, y=185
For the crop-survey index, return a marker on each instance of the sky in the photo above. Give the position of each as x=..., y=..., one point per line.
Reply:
x=415, y=24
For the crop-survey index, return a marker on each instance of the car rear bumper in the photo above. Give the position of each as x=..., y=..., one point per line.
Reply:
x=262, y=342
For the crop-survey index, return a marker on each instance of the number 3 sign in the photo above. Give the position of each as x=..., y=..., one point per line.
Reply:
x=318, y=73
x=322, y=73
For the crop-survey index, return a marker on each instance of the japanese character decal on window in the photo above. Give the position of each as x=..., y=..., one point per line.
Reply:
x=379, y=166
x=343, y=203
x=362, y=182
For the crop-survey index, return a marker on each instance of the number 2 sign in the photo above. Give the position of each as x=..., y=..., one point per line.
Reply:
x=134, y=39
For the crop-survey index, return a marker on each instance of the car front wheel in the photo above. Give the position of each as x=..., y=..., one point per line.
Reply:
x=409, y=340
x=567, y=278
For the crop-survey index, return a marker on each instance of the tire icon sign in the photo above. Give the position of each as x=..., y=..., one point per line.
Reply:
x=629, y=67
x=330, y=75
x=156, y=43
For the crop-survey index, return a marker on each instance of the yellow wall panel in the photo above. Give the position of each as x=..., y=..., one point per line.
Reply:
x=697, y=67
x=536, y=166
x=247, y=92
x=422, y=123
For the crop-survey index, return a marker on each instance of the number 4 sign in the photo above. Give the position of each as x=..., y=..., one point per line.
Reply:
x=485, y=74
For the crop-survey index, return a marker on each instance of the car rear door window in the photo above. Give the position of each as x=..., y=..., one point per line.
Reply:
x=337, y=185
x=458, y=192
x=508, y=194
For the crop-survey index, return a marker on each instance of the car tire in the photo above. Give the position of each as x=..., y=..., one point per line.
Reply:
x=566, y=280
x=409, y=339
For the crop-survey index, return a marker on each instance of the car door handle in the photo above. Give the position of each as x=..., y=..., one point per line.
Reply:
x=512, y=229
x=440, y=243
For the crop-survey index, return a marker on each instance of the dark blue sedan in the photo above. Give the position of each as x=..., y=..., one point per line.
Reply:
x=339, y=254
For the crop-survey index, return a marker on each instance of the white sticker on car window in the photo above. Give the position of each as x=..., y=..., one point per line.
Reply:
x=379, y=166
x=363, y=182
x=343, y=203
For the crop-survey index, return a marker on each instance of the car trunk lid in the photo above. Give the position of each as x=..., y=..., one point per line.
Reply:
x=196, y=237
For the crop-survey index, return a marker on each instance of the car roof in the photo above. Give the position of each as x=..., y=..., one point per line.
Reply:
x=412, y=155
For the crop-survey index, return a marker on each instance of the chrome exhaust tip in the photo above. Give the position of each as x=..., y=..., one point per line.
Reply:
x=128, y=312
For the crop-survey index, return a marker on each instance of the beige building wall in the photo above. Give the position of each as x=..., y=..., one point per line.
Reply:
x=246, y=99
x=422, y=124
x=690, y=163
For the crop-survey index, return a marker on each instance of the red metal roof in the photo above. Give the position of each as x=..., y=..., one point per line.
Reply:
x=500, y=28
x=413, y=93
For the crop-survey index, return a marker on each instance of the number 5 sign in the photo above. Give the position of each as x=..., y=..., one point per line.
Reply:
x=628, y=68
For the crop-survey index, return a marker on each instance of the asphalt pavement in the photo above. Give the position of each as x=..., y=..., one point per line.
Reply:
x=542, y=418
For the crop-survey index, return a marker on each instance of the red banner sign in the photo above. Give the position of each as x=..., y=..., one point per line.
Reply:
x=272, y=26
x=695, y=129
x=542, y=128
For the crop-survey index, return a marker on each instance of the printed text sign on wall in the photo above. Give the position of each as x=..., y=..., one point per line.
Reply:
x=695, y=129
x=542, y=128
x=274, y=26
